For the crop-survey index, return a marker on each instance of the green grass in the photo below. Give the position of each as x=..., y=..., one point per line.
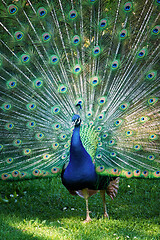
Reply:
x=44, y=210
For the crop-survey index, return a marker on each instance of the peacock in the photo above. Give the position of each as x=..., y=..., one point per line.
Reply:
x=79, y=92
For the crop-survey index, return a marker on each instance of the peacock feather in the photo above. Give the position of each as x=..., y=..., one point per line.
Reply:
x=95, y=58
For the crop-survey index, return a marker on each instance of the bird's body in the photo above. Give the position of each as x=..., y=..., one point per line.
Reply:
x=80, y=176
x=80, y=172
x=99, y=55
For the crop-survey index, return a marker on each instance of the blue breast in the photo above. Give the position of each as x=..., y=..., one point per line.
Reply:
x=80, y=172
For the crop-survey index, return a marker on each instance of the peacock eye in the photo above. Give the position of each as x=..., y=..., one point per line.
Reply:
x=42, y=12
x=115, y=65
x=128, y=7
x=73, y=15
x=96, y=51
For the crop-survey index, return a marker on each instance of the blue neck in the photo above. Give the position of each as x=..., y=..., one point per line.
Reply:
x=80, y=172
x=78, y=154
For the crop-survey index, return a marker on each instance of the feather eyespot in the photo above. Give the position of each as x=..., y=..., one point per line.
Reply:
x=145, y=173
x=5, y=176
x=73, y=15
x=12, y=9
x=157, y=174
x=54, y=59
x=63, y=136
x=156, y=30
x=94, y=81
x=115, y=65
x=55, y=145
x=128, y=7
x=99, y=144
x=111, y=142
x=151, y=75
x=153, y=137
x=17, y=142
x=56, y=126
x=22, y=174
x=137, y=147
x=142, y=53
x=129, y=133
x=38, y=83
x=9, y=126
x=42, y=12
x=124, y=106
x=55, y=110
x=11, y=84
x=99, y=128
x=9, y=160
x=66, y=145
x=15, y=173
x=100, y=169
x=46, y=156
x=102, y=101
x=18, y=35
x=103, y=24
x=118, y=122
x=129, y=174
x=31, y=124
x=105, y=135
x=36, y=172
x=1, y=147
x=46, y=37
x=62, y=88
x=44, y=173
x=101, y=116
x=98, y=156
x=151, y=157
x=113, y=154
x=39, y=136
x=25, y=58
x=137, y=173
x=144, y=119
x=96, y=51
x=76, y=40
x=26, y=151
x=89, y=114
x=152, y=100
x=55, y=170
x=6, y=106
x=79, y=101
x=31, y=106
x=64, y=156
x=123, y=34
x=115, y=171
x=77, y=69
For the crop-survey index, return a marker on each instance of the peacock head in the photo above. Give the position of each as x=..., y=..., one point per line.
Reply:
x=76, y=120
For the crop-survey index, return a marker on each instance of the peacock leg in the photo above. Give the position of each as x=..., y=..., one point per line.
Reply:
x=86, y=195
x=102, y=192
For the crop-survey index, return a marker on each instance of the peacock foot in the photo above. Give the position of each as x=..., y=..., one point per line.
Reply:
x=88, y=219
x=106, y=215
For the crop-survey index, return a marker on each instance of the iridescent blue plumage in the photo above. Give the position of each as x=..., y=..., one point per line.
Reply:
x=80, y=172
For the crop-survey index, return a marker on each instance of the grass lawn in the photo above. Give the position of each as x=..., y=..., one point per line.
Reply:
x=43, y=209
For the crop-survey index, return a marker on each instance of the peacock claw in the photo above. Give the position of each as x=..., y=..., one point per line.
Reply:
x=106, y=215
x=87, y=220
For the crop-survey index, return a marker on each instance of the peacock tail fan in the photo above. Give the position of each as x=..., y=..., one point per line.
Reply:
x=100, y=54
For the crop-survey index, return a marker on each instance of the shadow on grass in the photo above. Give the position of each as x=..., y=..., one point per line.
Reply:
x=9, y=232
